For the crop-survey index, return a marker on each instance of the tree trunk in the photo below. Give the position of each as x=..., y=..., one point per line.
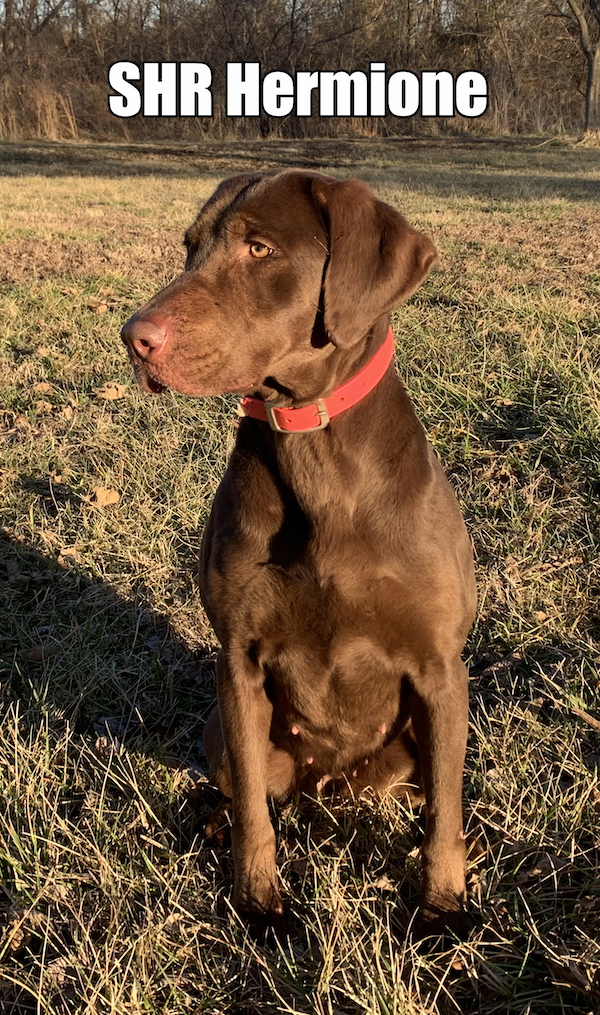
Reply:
x=592, y=95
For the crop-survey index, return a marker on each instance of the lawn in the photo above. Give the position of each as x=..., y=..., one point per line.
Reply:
x=111, y=902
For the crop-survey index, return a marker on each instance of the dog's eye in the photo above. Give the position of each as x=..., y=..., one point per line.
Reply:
x=260, y=250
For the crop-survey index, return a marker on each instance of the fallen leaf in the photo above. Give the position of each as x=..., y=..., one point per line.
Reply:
x=299, y=866
x=534, y=707
x=385, y=884
x=42, y=387
x=41, y=652
x=503, y=665
x=68, y=556
x=14, y=935
x=549, y=865
x=103, y=496
x=43, y=350
x=101, y=308
x=56, y=971
x=55, y=891
x=42, y=406
x=568, y=972
x=67, y=411
x=110, y=391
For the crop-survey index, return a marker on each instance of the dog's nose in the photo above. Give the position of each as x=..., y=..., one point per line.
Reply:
x=145, y=335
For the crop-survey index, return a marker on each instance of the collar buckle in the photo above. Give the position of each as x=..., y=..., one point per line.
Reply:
x=319, y=405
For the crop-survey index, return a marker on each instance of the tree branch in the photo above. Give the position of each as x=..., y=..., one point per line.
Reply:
x=584, y=31
x=51, y=14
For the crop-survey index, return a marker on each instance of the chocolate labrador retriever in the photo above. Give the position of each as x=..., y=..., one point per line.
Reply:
x=336, y=567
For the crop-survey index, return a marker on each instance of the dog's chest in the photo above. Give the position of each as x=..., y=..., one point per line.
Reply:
x=332, y=666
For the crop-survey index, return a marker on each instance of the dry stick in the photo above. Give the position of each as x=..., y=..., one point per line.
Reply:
x=594, y=723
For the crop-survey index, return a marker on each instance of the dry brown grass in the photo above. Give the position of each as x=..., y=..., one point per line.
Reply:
x=111, y=901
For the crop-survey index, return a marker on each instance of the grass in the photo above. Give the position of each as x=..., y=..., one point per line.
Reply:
x=111, y=903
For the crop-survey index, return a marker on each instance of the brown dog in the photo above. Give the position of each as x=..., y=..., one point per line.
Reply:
x=336, y=568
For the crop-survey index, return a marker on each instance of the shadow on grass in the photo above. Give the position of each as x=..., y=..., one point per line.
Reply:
x=73, y=651
x=95, y=655
x=494, y=168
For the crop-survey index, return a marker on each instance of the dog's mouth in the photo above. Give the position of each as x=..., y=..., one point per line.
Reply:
x=146, y=381
x=151, y=385
x=155, y=386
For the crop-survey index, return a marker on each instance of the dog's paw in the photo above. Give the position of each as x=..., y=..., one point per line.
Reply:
x=435, y=924
x=217, y=829
x=264, y=916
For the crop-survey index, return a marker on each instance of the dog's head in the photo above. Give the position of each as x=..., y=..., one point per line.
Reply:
x=286, y=273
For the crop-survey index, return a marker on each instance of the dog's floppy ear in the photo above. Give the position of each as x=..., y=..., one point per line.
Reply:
x=376, y=259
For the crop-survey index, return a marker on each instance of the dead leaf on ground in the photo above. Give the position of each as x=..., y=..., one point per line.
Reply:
x=14, y=934
x=547, y=866
x=111, y=391
x=299, y=866
x=42, y=350
x=103, y=496
x=43, y=407
x=568, y=973
x=68, y=556
x=534, y=707
x=100, y=308
x=42, y=388
x=503, y=666
x=56, y=971
x=41, y=652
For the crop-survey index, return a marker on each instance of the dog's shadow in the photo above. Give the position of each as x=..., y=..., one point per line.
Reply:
x=76, y=653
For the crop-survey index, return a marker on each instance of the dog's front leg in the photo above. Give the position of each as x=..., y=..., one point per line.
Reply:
x=439, y=709
x=245, y=712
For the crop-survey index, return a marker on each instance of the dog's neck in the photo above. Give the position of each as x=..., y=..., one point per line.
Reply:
x=342, y=465
x=308, y=380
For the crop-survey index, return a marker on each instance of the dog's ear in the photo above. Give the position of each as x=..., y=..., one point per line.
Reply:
x=376, y=259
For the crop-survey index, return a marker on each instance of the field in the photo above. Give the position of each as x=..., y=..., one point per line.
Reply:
x=111, y=902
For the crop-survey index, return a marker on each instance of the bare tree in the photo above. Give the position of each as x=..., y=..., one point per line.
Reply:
x=54, y=57
x=588, y=21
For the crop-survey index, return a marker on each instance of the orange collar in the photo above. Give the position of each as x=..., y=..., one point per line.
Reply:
x=316, y=416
